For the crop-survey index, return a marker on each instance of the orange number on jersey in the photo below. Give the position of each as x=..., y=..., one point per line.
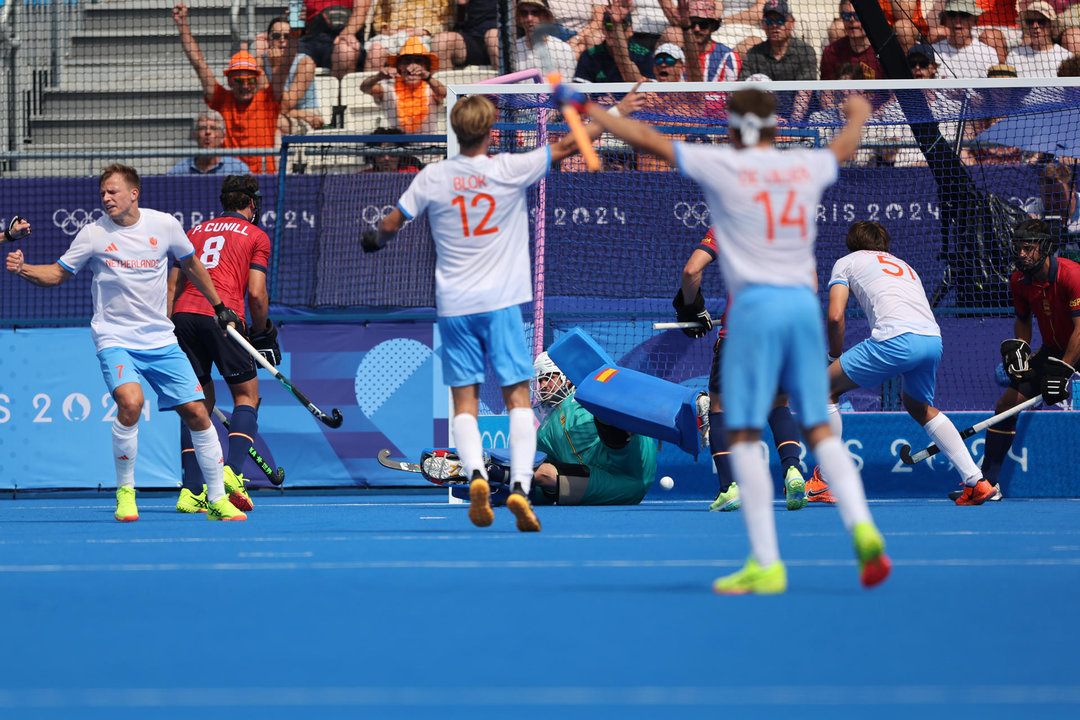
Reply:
x=899, y=272
x=792, y=215
x=482, y=228
x=119, y=371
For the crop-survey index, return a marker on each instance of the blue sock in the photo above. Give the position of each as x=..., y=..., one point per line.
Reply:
x=998, y=441
x=786, y=436
x=718, y=447
x=193, y=477
x=242, y=428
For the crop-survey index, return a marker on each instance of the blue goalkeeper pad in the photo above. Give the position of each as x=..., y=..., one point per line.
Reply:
x=642, y=404
x=578, y=355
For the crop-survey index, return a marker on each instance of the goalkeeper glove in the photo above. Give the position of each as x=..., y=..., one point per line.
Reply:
x=1055, y=380
x=564, y=94
x=694, y=312
x=12, y=234
x=225, y=315
x=1014, y=356
x=265, y=341
x=371, y=242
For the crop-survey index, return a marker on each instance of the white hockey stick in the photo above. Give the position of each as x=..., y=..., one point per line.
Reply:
x=675, y=325
x=909, y=459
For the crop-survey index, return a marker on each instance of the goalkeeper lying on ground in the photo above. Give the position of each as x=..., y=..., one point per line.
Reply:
x=587, y=462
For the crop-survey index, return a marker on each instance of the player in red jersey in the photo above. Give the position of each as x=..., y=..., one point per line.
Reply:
x=236, y=253
x=1048, y=287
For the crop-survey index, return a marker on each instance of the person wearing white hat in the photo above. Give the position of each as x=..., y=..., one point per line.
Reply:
x=959, y=54
x=1039, y=55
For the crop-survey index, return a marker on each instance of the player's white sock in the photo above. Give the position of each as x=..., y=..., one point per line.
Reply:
x=522, y=447
x=751, y=472
x=469, y=446
x=945, y=435
x=836, y=421
x=125, y=445
x=211, y=462
x=844, y=481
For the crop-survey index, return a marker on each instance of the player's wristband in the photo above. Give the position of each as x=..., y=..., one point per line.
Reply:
x=833, y=358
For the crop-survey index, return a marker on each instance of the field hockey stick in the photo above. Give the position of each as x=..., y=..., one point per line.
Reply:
x=385, y=461
x=676, y=325
x=333, y=420
x=276, y=477
x=909, y=459
x=573, y=118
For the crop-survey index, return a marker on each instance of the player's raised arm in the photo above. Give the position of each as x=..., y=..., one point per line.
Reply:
x=857, y=111
x=640, y=135
x=567, y=146
x=40, y=275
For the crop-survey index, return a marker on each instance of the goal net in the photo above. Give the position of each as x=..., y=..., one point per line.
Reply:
x=946, y=166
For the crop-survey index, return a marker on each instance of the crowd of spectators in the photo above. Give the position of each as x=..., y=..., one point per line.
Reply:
x=400, y=47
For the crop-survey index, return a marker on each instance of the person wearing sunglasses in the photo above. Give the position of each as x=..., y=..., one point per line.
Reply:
x=618, y=58
x=250, y=105
x=528, y=15
x=853, y=47
x=299, y=102
x=782, y=57
x=959, y=53
x=716, y=61
x=1039, y=55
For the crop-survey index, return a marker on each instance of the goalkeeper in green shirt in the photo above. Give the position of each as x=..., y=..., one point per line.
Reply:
x=588, y=462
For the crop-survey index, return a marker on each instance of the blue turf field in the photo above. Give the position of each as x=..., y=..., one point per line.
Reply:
x=377, y=605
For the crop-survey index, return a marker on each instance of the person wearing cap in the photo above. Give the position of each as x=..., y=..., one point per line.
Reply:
x=959, y=54
x=208, y=132
x=783, y=57
x=854, y=47
x=618, y=58
x=1039, y=55
x=474, y=38
x=406, y=89
x=528, y=14
x=397, y=21
x=669, y=63
x=251, y=105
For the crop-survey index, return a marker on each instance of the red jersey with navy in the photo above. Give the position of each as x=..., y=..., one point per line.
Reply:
x=229, y=246
x=708, y=244
x=1055, y=303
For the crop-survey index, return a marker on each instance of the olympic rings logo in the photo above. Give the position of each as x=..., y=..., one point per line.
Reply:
x=72, y=221
x=692, y=215
x=373, y=214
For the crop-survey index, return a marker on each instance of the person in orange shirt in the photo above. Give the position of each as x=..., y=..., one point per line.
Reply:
x=251, y=106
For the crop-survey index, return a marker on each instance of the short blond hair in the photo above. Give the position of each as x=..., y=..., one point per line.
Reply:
x=471, y=120
x=128, y=173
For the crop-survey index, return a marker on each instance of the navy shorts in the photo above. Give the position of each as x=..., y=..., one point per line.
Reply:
x=201, y=339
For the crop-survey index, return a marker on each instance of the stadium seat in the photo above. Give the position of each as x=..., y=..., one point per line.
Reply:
x=327, y=89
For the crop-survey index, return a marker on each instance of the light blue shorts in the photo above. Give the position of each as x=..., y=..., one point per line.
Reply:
x=498, y=336
x=775, y=336
x=167, y=369
x=914, y=357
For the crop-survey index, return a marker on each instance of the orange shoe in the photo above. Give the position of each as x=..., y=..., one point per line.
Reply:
x=977, y=495
x=480, y=511
x=518, y=504
x=817, y=490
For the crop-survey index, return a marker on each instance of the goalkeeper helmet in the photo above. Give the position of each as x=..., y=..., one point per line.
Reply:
x=1032, y=243
x=552, y=387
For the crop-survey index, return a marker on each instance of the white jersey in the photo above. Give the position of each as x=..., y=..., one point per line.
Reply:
x=479, y=220
x=889, y=292
x=970, y=61
x=1041, y=64
x=763, y=204
x=131, y=270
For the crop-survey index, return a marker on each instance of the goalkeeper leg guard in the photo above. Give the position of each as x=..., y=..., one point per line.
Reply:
x=242, y=428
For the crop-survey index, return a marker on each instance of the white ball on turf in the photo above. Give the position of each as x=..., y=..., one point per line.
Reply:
x=666, y=482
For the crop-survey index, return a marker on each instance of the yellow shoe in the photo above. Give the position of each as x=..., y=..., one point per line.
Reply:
x=480, y=511
x=753, y=580
x=223, y=509
x=238, y=494
x=518, y=504
x=126, y=510
x=189, y=502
